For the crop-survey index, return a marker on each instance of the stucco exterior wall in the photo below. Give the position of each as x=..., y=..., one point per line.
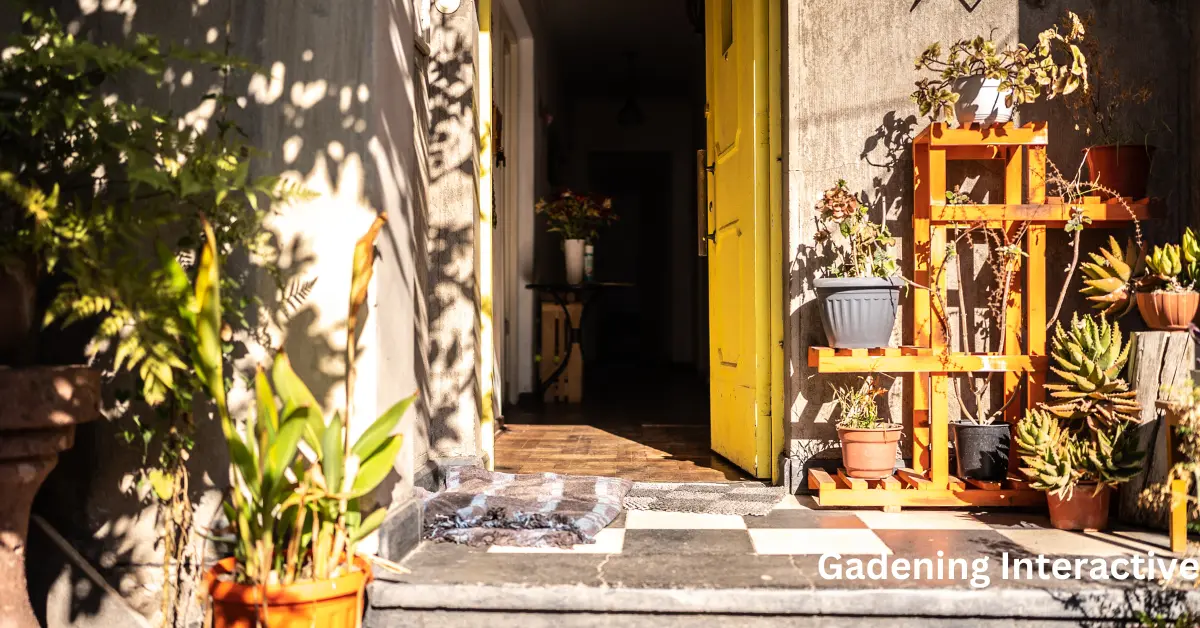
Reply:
x=848, y=72
x=372, y=120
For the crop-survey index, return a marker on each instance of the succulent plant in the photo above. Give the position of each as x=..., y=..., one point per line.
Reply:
x=1057, y=458
x=1173, y=267
x=1089, y=357
x=1108, y=278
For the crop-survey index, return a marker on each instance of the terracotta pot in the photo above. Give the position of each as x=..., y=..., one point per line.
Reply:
x=869, y=453
x=41, y=407
x=1124, y=168
x=1085, y=510
x=1168, y=311
x=334, y=603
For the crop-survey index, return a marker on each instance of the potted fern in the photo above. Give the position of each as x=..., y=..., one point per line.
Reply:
x=979, y=83
x=1166, y=295
x=860, y=295
x=295, y=520
x=1081, y=443
x=868, y=443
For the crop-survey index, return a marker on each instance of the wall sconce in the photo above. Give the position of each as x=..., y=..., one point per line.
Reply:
x=447, y=6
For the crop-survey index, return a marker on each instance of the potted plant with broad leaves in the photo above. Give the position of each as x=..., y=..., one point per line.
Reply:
x=1166, y=295
x=860, y=297
x=1081, y=443
x=295, y=520
x=1113, y=113
x=868, y=444
x=98, y=194
x=577, y=217
x=980, y=83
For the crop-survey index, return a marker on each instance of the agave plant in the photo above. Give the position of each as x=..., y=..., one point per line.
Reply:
x=1089, y=357
x=1109, y=277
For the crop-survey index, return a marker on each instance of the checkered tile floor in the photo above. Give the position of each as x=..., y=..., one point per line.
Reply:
x=797, y=527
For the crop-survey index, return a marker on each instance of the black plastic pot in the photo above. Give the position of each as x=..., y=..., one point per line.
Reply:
x=858, y=313
x=982, y=450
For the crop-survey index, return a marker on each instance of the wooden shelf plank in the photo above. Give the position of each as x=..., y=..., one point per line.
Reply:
x=1050, y=213
x=934, y=498
x=984, y=485
x=826, y=360
x=914, y=479
x=941, y=135
x=955, y=484
x=857, y=484
x=820, y=480
x=890, y=483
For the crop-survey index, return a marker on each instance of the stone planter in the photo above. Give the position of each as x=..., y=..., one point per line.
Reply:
x=42, y=406
x=980, y=101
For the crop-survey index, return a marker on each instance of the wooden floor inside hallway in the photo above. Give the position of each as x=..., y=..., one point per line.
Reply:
x=644, y=426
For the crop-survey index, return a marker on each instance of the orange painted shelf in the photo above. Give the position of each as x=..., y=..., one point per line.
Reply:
x=918, y=360
x=907, y=488
x=1051, y=213
x=929, y=364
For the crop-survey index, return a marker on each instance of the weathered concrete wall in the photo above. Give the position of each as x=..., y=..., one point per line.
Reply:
x=452, y=235
x=847, y=115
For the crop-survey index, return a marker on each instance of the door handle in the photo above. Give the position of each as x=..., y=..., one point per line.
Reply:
x=702, y=203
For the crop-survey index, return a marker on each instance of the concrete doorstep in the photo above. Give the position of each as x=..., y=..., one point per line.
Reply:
x=410, y=604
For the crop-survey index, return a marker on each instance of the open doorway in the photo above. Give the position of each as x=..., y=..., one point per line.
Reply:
x=621, y=114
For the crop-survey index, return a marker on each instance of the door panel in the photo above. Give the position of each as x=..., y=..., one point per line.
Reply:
x=738, y=190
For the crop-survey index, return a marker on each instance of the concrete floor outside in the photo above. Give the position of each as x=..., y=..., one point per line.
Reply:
x=798, y=565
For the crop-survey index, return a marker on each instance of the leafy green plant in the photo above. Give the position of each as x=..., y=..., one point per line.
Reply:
x=862, y=248
x=858, y=404
x=295, y=518
x=1084, y=433
x=1055, y=66
x=103, y=200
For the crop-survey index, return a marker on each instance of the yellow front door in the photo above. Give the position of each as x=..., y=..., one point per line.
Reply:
x=739, y=192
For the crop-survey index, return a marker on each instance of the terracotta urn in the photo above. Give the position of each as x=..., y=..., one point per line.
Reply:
x=41, y=407
x=870, y=453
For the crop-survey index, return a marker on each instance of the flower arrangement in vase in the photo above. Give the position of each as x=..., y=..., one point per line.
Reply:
x=577, y=217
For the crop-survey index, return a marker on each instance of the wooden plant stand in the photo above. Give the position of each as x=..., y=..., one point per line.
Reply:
x=929, y=363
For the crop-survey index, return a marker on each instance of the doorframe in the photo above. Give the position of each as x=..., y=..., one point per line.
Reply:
x=492, y=379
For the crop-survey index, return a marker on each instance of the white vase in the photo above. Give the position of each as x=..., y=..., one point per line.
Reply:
x=573, y=250
x=980, y=101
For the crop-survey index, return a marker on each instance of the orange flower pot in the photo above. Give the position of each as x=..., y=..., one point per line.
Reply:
x=334, y=603
x=1168, y=311
x=1085, y=510
x=1123, y=168
x=869, y=453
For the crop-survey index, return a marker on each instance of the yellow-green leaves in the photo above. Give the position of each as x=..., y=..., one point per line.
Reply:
x=364, y=264
x=208, y=319
x=375, y=467
x=297, y=398
x=333, y=457
x=375, y=435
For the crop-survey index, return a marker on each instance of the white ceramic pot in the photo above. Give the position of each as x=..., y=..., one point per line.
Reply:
x=573, y=251
x=980, y=101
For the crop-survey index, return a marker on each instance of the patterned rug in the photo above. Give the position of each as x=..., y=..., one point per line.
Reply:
x=480, y=507
x=724, y=498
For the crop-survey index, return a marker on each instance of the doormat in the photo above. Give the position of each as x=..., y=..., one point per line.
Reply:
x=717, y=498
x=480, y=507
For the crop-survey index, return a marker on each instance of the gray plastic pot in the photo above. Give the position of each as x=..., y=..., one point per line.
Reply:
x=858, y=312
x=982, y=450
